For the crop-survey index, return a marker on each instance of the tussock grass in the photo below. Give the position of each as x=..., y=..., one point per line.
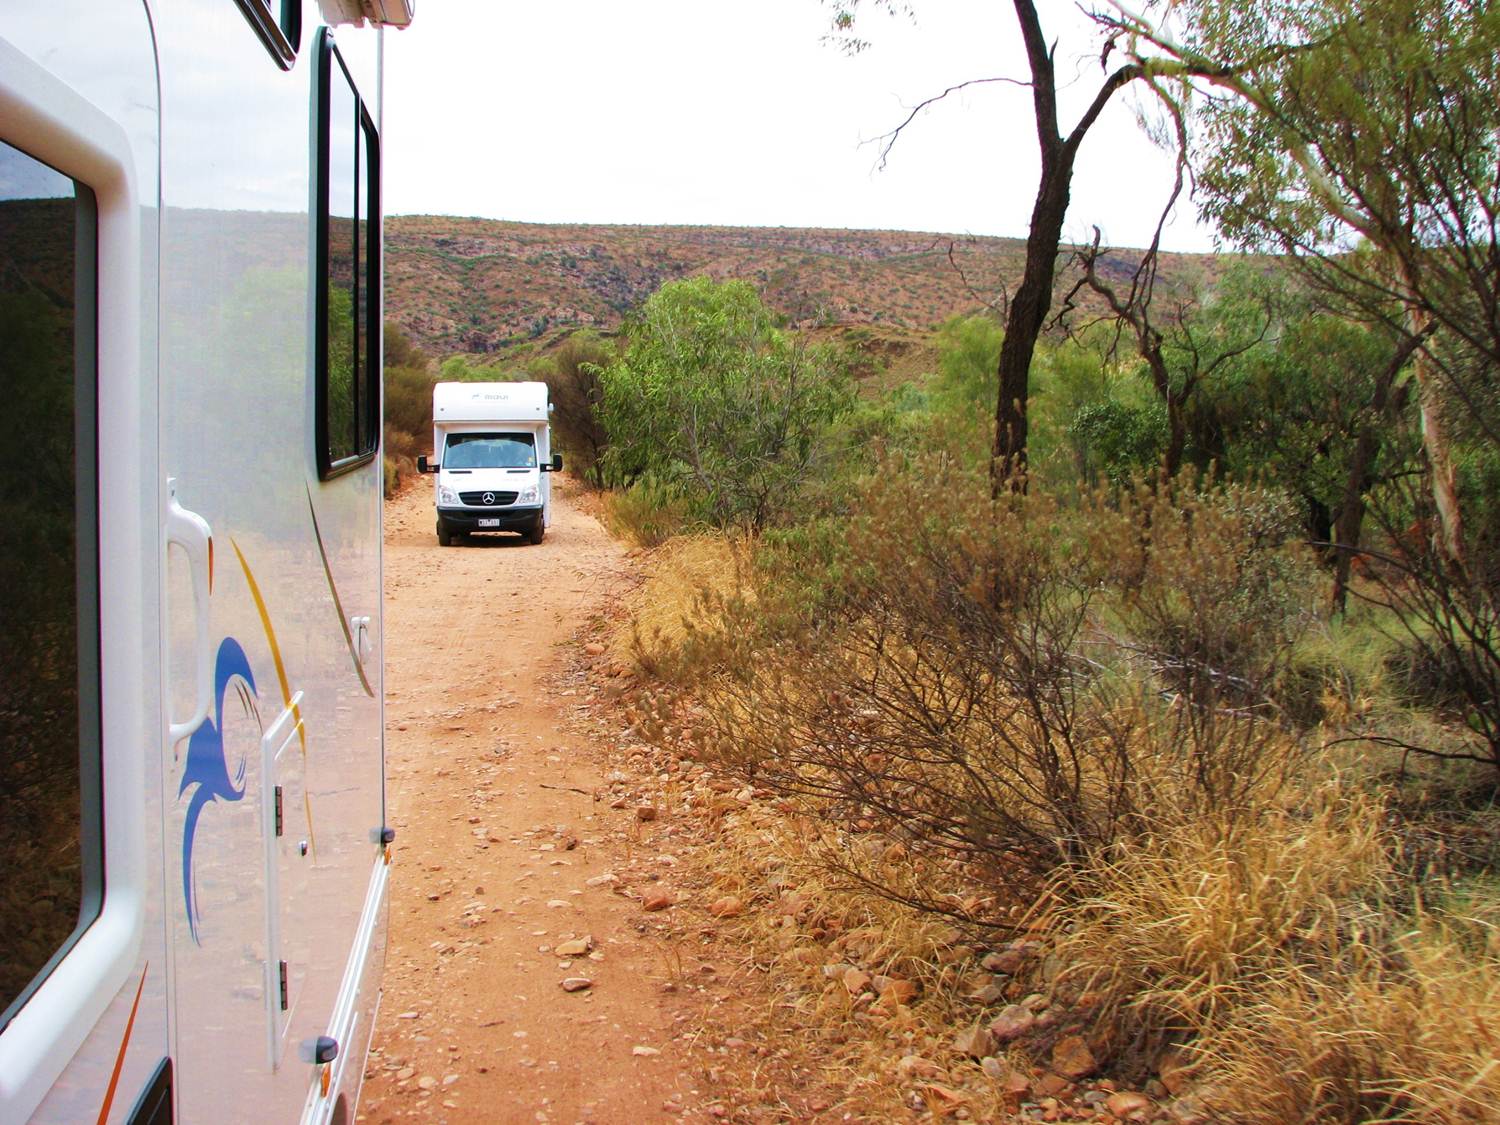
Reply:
x=1191, y=919
x=686, y=576
x=1395, y=1028
x=646, y=514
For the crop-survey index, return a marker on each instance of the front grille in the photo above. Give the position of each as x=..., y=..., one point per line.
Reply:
x=487, y=499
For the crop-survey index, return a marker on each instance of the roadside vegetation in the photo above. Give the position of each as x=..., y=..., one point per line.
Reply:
x=1129, y=749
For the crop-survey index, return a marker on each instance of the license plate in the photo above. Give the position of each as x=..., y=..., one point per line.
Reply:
x=489, y=523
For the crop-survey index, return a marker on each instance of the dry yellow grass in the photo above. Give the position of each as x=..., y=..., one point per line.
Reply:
x=1187, y=922
x=684, y=576
x=1403, y=1030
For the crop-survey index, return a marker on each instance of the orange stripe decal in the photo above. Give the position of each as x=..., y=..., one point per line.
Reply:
x=114, y=1078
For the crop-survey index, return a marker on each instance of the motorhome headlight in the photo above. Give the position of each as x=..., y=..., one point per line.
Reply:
x=447, y=495
x=527, y=495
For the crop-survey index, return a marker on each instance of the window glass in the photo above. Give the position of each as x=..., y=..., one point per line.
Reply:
x=50, y=852
x=364, y=416
x=490, y=451
x=348, y=395
x=341, y=256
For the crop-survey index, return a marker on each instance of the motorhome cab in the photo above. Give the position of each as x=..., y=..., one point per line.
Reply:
x=193, y=839
x=492, y=451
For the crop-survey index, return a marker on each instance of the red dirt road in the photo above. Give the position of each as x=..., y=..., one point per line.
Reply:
x=503, y=813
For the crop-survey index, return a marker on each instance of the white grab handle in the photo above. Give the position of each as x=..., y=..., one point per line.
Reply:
x=189, y=531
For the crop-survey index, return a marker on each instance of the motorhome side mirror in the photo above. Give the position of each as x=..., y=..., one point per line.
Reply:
x=424, y=467
x=557, y=462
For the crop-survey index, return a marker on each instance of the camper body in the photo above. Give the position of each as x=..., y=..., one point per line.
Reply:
x=191, y=728
x=492, y=453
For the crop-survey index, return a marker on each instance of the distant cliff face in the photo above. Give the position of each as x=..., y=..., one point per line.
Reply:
x=483, y=286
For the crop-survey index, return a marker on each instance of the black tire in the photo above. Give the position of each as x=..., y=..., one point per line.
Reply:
x=445, y=537
x=538, y=531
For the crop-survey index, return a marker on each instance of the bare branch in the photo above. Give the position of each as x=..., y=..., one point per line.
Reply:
x=888, y=140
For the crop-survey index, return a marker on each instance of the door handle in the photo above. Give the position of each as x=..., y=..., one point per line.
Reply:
x=190, y=531
x=361, y=637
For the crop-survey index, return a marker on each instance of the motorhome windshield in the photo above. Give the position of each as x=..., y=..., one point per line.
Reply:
x=490, y=451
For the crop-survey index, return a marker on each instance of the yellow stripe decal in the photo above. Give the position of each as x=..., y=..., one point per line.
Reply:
x=286, y=691
x=265, y=622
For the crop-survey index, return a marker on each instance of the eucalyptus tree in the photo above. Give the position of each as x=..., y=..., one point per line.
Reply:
x=711, y=399
x=1367, y=150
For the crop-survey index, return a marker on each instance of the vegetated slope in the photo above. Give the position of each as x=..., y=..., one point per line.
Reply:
x=482, y=286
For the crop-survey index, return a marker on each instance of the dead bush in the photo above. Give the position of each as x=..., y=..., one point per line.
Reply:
x=1215, y=589
x=940, y=694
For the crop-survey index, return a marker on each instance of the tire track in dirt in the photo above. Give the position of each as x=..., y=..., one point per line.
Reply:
x=499, y=857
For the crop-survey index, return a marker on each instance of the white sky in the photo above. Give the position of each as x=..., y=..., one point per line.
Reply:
x=737, y=114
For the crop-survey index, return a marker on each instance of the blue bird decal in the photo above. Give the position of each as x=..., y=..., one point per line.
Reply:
x=206, y=766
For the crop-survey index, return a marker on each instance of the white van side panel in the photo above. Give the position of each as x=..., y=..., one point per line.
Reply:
x=207, y=254
x=78, y=90
x=263, y=927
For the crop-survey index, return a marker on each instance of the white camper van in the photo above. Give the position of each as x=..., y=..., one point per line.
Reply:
x=492, y=451
x=193, y=840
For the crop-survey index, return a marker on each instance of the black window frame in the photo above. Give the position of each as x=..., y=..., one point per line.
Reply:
x=87, y=595
x=281, y=35
x=367, y=365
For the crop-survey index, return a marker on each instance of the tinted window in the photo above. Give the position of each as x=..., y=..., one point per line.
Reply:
x=490, y=451
x=341, y=274
x=349, y=272
x=51, y=860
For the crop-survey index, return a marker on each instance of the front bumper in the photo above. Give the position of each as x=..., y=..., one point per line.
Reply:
x=516, y=518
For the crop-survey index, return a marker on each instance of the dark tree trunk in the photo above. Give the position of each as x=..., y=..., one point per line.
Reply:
x=1023, y=325
x=1387, y=401
x=1348, y=528
x=1033, y=297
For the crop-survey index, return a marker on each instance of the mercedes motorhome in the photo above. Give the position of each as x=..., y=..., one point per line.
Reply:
x=492, y=453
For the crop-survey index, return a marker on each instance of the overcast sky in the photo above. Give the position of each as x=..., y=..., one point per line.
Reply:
x=738, y=114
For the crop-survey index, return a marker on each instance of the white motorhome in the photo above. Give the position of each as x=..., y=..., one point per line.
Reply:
x=193, y=842
x=492, y=453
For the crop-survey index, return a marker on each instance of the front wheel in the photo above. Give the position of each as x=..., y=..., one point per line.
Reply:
x=445, y=537
x=538, y=531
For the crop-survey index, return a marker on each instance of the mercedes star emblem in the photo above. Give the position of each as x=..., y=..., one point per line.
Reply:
x=488, y=498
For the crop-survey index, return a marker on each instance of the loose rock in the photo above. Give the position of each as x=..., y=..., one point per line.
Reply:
x=1072, y=1058
x=1013, y=1022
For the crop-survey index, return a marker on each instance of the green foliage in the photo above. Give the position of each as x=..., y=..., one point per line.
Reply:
x=576, y=390
x=969, y=362
x=1117, y=440
x=341, y=436
x=649, y=512
x=409, y=381
x=463, y=369
x=409, y=378
x=709, y=396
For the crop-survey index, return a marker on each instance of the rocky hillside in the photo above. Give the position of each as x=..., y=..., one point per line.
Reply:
x=482, y=286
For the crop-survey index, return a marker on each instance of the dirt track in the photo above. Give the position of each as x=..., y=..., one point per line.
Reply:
x=496, y=845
